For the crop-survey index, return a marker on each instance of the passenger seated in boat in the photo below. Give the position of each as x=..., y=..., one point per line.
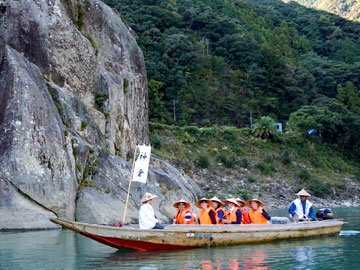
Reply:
x=302, y=209
x=147, y=219
x=245, y=213
x=183, y=213
x=233, y=213
x=217, y=205
x=257, y=212
x=207, y=214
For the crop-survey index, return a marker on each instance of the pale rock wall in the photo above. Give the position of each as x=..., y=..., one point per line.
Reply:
x=73, y=106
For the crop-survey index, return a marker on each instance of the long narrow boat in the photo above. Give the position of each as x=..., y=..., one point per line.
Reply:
x=177, y=237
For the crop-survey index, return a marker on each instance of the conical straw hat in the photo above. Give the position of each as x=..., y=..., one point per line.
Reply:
x=176, y=204
x=240, y=202
x=232, y=200
x=303, y=193
x=203, y=199
x=248, y=202
x=216, y=199
x=147, y=197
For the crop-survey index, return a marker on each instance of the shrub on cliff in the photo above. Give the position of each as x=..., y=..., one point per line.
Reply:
x=264, y=127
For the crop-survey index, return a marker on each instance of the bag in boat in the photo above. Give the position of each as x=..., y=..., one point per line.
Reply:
x=280, y=220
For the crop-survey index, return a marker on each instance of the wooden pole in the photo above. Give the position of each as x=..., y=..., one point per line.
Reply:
x=128, y=194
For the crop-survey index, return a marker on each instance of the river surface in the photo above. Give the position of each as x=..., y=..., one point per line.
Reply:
x=64, y=249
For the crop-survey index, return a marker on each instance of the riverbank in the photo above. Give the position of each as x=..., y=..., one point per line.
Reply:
x=231, y=162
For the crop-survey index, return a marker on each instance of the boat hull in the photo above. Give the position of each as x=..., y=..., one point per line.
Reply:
x=177, y=237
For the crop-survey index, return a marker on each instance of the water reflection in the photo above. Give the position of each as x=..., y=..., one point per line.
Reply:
x=256, y=261
x=67, y=250
x=303, y=257
x=297, y=254
x=21, y=249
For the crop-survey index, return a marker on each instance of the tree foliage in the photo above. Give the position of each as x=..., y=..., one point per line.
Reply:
x=213, y=61
x=264, y=127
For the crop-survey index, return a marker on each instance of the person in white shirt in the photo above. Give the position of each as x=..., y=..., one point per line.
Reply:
x=147, y=219
x=301, y=208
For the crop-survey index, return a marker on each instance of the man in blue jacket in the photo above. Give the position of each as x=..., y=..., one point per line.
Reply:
x=301, y=208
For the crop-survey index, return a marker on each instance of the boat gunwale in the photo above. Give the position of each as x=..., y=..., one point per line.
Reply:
x=155, y=239
x=250, y=228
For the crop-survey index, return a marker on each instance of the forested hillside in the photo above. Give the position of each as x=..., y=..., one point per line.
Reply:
x=349, y=9
x=212, y=62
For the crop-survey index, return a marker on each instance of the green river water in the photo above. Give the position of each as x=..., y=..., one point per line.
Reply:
x=63, y=249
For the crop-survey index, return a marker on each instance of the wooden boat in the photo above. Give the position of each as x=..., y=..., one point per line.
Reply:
x=177, y=237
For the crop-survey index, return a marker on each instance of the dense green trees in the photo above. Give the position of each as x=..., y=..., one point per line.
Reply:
x=211, y=62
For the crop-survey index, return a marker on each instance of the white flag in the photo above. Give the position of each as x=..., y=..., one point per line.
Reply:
x=142, y=164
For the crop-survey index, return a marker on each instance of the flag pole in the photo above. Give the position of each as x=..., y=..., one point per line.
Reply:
x=131, y=176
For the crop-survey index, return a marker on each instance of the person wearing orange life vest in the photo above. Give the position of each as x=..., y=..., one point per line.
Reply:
x=245, y=213
x=257, y=212
x=233, y=213
x=207, y=214
x=217, y=205
x=183, y=214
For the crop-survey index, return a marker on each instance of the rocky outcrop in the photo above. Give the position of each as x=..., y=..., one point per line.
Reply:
x=103, y=200
x=84, y=47
x=18, y=211
x=35, y=154
x=348, y=9
x=73, y=105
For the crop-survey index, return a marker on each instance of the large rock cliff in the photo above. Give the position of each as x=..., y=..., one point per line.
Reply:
x=348, y=9
x=73, y=105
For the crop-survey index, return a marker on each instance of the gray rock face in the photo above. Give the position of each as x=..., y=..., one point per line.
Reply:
x=43, y=32
x=20, y=212
x=73, y=93
x=35, y=154
x=122, y=81
x=85, y=48
x=104, y=202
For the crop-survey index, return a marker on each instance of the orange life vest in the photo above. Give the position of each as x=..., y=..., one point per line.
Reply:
x=245, y=219
x=256, y=217
x=204, y=217
x=219, y=222
x=231, y=216
x=180, y=217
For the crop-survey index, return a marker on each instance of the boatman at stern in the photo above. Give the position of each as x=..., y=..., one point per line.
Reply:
x=301, y=208
x=147, y=219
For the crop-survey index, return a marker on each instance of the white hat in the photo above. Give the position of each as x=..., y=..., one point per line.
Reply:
x=198, y=203
x=240, y=202
x=176, y=204
x=232, y=200
x=248, y=202
x=216, y=199
x=303, y=193
x=147, y=197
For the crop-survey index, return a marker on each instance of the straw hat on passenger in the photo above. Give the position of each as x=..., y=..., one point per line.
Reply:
x=216, y=199
x=240, y=202
x=198, y=203
x=248, y=202
x=147, y=197
x=232, y=200
x=303, y=193
x=176, y=204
